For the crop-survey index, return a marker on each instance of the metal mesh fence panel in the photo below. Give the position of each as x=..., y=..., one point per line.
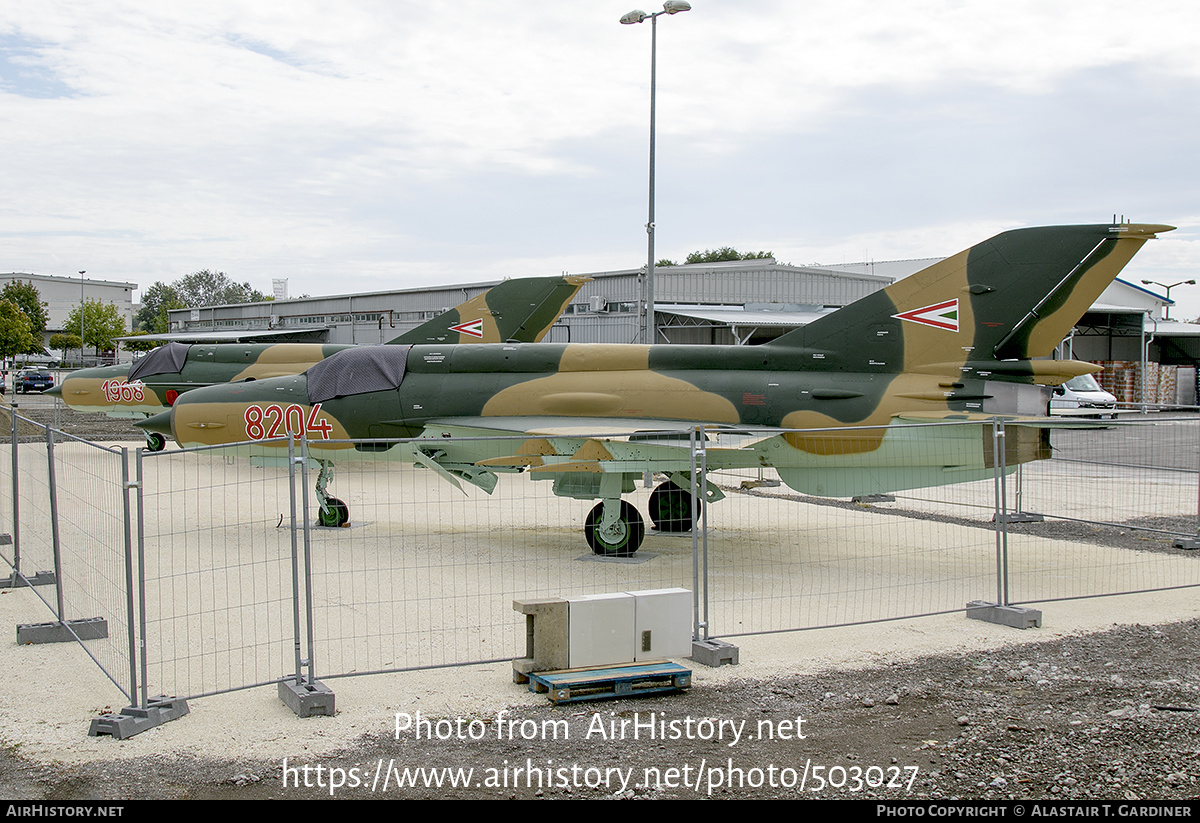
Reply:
x=1115, y=500
x=8, y=487
x=33, y=534
x=823, y=552
x=425, y=574
x=88, y=485
x=217, y=547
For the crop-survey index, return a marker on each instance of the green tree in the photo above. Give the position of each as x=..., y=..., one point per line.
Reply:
x=28, y=299
x=717, y=256
x=63, y=342
x=200, y=288
x=156, y=302
x=102, y=322
x=15, y=335
x=725, y=253
x=213, y=288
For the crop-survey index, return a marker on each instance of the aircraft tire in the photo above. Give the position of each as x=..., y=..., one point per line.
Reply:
x=155, y=442
x=671, y=508
x=632, y=533
x=334, y=515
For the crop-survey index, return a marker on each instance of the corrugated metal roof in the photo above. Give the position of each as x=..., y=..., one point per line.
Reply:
x=733, y=316
x=1170, y=328
x=224, y=336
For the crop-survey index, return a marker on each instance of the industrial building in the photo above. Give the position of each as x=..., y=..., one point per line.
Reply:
x=742, y=301
x=62, y=295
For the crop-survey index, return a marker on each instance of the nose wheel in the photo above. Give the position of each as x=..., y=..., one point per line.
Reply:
x=333, y=512
x=155, y=442
x=616, y=535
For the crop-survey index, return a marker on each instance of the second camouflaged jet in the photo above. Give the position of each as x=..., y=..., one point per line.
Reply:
x=838, y=407
x=521, y=310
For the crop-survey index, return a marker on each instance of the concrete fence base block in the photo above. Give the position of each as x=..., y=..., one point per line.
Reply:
x=89, y=628
x=38, y=579
x=759, y=484
x=1187, y=542
x=134, y=720
x=1020, y=517
x=307, y=699
x=1015, y=616
x=714, y=653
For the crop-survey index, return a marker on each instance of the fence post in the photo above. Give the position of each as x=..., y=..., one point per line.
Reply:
x=1002, y=596
x=699, y=606
x=148, y=712
x=298, y=663
x=1180, y=542
x=131, y=636
x=308, y=595
x=304, y=695
x=1001, y=611
x=705, y=650
x=143, y=653
x=997, y=496
x=16, y=496
x=60, y=609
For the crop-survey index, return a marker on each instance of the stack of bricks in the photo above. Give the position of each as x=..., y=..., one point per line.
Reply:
x=1122, y=379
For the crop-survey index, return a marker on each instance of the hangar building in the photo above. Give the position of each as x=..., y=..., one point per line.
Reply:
x=742, y=301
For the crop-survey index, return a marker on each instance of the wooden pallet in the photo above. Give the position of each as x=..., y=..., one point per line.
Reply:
x=609, y=682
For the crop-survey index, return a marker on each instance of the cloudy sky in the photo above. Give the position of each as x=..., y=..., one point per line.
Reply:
x=370, y=144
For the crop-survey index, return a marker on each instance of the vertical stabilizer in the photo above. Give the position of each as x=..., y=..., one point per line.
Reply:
x=521, y=311
x=1012, y=297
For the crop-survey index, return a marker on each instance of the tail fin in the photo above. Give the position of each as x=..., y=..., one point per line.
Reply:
x=520, y=310
x=1011, y=298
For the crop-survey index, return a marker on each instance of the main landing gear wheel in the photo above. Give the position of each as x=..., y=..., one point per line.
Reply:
x=335, y=513
x=155, y=442
x=671, y=508
x=621, y=539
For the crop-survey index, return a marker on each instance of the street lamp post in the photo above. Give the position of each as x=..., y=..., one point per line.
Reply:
x=649, y=331
x=1167, y=308
x=81, y=344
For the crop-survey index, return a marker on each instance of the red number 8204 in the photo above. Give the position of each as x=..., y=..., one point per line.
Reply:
x=268, y=422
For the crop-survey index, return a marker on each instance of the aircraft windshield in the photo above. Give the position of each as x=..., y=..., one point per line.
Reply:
x=357, y=371
x=168, y=359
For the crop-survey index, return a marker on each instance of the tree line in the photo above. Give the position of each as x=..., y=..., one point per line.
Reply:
x=721, y=255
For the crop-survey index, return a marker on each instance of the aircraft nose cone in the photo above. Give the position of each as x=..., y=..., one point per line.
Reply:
x=54, y=392
x=159, y=423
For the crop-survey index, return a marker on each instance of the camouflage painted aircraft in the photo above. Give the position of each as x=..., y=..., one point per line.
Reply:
x=522, y=310
x=955, y=341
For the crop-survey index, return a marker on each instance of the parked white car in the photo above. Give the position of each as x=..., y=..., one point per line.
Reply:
x=1082, y=397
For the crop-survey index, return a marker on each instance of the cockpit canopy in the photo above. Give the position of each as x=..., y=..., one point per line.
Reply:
x=168, y=359
x=357, y=371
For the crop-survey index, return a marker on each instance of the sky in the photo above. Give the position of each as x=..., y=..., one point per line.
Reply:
x=363, y=145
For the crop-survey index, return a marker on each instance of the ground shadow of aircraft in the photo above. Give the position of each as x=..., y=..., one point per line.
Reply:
x=958, y=340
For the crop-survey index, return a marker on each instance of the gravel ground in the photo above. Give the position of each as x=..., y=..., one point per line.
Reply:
x=1109, y=713
x=1103, y=715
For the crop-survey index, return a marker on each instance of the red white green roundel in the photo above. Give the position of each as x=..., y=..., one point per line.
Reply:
x=940, y=315
x=471, y=327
